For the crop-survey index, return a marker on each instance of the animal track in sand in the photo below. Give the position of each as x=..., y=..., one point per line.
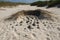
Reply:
x=29, y=27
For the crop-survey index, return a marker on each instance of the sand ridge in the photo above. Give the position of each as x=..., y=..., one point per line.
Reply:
x=30, y=26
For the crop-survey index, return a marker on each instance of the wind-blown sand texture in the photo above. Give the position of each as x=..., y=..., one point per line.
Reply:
x=29, y=23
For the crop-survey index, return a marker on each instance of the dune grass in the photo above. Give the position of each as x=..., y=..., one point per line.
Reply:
x=53, y=3
x=39, y=3
x=46, y=3
x=11, y=4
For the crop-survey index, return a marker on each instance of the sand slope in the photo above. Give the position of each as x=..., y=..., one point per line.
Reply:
x=16, y=24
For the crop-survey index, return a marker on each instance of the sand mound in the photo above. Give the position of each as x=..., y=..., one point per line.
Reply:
x=30, y=25
x=40, y=14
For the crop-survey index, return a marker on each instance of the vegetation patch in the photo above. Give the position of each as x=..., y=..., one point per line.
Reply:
x=39, y=3
x=11, y=4
x=51, y=3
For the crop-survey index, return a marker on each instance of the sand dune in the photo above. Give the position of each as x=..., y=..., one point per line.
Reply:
x=26, y=22
x=8, y=11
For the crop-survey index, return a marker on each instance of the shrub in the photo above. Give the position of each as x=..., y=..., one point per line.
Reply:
x=39, y=3
x=53, y=3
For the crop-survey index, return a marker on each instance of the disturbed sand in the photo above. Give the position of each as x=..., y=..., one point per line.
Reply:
x=23, y=23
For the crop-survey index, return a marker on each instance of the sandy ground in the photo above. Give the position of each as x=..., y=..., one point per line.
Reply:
x=26, y=28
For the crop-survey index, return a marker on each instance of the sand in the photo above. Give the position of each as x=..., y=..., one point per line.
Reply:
x=16, y=27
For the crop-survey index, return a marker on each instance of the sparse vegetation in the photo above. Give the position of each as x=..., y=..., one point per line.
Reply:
x=39, y=3
x=50, y=3
x=10, y=4
x=53, y=3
